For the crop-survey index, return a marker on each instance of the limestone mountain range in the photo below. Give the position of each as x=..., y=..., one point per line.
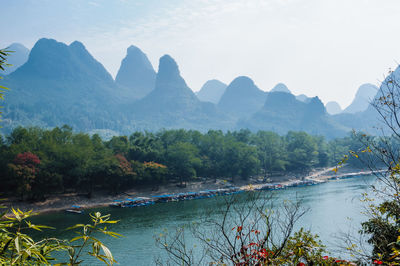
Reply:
x=64, y=84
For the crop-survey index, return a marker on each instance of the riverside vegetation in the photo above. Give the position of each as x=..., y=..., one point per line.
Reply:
x=35, y=162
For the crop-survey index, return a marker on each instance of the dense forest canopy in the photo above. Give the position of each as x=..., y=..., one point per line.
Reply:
x=34, y=161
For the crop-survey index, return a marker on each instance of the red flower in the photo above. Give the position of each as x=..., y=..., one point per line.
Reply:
x=325, y=257
x=300, y=264
x=27, y=158
x=378, y=262
x=239, y=229
x=262, y=254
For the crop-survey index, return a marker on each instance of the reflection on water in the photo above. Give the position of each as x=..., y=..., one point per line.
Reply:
x=334, y=207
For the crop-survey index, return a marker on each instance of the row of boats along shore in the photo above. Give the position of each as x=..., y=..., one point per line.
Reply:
x=146, y=201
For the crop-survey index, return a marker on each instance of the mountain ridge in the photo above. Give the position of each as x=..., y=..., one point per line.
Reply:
x=211, y=91
x=333, y=108
x=365, y=93
x=242, y=98
x=64, y=84
x=17, y=57
x=136, y=73
x=282, y=113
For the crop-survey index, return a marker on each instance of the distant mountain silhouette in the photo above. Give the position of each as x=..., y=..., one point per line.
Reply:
x=242, y=98
x=60, y=84
x=63, y=84
x=171, y=92
x=333, y=108
x=282, y=112
x=18, y=56
x=136, y=73
x=280, y=87
x=302, y=98
x=55, y=67
x=364, y=95
x=211, y=91
x=172, y=104
x=368, y=120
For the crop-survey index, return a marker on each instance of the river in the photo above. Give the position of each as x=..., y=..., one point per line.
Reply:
x=334, y=207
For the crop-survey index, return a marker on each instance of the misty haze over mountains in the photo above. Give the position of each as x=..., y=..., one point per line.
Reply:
x=63, y=84
x=211, y=91
x=18, y=56
x=363, y=97
x=136, y=73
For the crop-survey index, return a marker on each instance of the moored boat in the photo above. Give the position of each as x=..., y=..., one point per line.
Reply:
x=75, y=209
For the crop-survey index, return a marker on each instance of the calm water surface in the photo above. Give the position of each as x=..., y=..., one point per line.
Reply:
x=334, y=207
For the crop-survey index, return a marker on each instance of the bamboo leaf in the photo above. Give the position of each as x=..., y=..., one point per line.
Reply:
x=108, y=254
x=76, y=238
x=111, y=222
x=16, y=214
x=17, y=247
x=75, y=226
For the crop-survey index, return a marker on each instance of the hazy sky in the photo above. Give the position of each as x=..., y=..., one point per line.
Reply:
x=316, y=47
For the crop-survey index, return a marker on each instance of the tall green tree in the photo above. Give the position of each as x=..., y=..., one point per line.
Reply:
x=302, y=151
x=271, y=151
x=182, y=160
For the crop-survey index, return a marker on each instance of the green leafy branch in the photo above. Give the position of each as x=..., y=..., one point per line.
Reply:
x=18, y=248
x=99, y=250
x=3, y=64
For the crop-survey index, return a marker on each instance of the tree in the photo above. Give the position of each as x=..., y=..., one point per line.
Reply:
x=247, y=232
x=248, y=163
x=46, y=181
x=25, y=169
x=154, y=172
x=337, y=148
x=119, y=144
x=119, y=173
x=323, y=153
x=182, y=159
x=212, y=152
x=97, y=165
x=145, y=147
x=271, y=151
x=382, y=156
x=302, y=150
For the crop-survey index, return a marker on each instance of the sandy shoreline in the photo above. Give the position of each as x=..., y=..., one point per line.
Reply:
x=318, y=177
x=62, y=202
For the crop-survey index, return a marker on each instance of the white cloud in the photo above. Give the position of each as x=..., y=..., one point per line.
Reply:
x=93, y=3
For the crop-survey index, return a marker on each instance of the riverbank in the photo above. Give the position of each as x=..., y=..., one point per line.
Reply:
x=316, y=177
x=64, y=201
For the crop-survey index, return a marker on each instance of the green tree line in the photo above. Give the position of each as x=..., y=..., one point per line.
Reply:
x=34, y=161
